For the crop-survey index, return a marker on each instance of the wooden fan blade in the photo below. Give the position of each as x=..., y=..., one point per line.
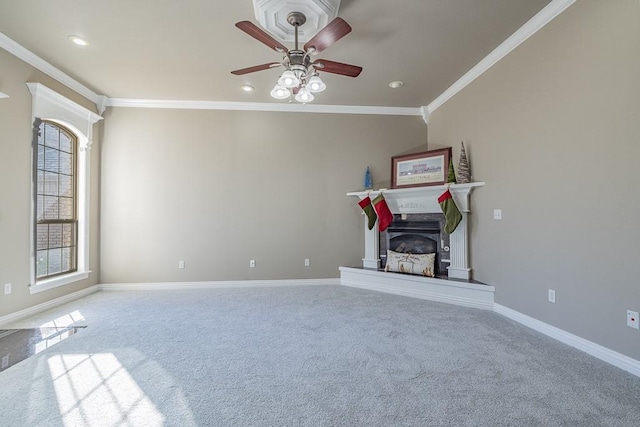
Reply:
x=330, y=34
x=255, y=32
x=337, y=68
x=255, y=68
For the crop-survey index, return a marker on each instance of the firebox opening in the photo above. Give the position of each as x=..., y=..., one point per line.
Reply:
x=417, y=234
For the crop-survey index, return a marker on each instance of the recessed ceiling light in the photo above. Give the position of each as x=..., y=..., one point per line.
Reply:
x=78, y=40
x=396, y=84
x=247, y=88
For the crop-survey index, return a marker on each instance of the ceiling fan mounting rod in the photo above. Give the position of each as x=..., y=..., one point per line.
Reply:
x=296, y=19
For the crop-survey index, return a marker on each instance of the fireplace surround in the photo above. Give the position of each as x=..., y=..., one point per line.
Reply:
x=424, y=200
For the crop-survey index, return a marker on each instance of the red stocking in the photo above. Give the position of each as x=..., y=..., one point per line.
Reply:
x=385, y=217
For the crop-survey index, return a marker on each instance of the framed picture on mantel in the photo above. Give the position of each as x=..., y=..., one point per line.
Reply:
x=420, y=169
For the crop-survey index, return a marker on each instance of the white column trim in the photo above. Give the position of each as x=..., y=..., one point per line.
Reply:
x=371, y=245
x=459, y=251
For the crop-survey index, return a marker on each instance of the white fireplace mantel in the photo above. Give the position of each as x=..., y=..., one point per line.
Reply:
x=424, y=200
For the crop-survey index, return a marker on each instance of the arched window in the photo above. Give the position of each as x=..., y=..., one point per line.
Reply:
x=61, y=147
x=56, y=201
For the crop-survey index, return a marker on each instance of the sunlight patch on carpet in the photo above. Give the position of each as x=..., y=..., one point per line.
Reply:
x=64, y=321
x=95, y=389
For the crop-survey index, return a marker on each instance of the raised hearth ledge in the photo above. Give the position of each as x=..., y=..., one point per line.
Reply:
x=450, y=291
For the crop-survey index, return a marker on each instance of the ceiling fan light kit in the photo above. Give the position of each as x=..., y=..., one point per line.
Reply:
x=300, y=77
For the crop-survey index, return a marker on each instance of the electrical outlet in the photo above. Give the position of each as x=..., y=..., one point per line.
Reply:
x=180, y=264
x=307, y=263
x=552, y=296
x=7, y=288
x=632, y=319
x=252, y=263
x=497, y=214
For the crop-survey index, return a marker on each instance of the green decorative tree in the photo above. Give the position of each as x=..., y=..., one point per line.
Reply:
x=451, y=178
x=464, y=175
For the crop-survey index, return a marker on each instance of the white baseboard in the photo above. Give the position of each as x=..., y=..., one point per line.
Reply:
x=36, y=309
x=216, y=284
x=603, y=353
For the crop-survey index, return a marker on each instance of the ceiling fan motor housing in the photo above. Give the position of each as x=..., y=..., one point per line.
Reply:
x=296, y=19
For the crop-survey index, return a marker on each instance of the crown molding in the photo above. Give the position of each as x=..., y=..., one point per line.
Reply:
x=542, y=18
x=251, y=106
x=34, y=60
x=425, y=114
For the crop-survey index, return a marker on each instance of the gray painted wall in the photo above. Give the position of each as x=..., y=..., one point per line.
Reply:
x=15, y=166
x=553, y=130
x=218, y=188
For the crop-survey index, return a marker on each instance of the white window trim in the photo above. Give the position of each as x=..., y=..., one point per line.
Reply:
x=50, y=105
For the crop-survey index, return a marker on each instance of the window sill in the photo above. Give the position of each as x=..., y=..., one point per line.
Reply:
x=45, y=285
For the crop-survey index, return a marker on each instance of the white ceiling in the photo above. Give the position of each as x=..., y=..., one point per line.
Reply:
x=185, y=50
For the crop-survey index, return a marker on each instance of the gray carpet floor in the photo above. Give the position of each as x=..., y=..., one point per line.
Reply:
x=305, y=356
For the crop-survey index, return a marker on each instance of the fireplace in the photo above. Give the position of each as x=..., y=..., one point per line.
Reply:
x=453, y=249
x=417, y=234
x=417, y=226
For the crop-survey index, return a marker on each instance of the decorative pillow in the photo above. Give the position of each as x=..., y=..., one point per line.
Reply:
x=421, y=264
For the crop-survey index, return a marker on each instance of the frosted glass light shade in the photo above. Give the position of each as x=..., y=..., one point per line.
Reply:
x=279, y=92
x=304, y=96
x=316, y=85
x=288, y=79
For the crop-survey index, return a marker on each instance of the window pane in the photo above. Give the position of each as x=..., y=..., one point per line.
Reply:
x=42, y=236
x=40, y=182
x=41, y=263
x=54, y=261
x=65, y=187
x=55, y=235
x=51, y=135
x=40, y=157
x=67, y=235
x=51, y=160
x=50, y=207
x=50, y=184
x=66, y=165
x=67, y=259
x=65, y=143
x=40, y=208
x=65, y=206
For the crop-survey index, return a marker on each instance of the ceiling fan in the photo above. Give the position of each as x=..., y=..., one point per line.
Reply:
x=301, y=73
